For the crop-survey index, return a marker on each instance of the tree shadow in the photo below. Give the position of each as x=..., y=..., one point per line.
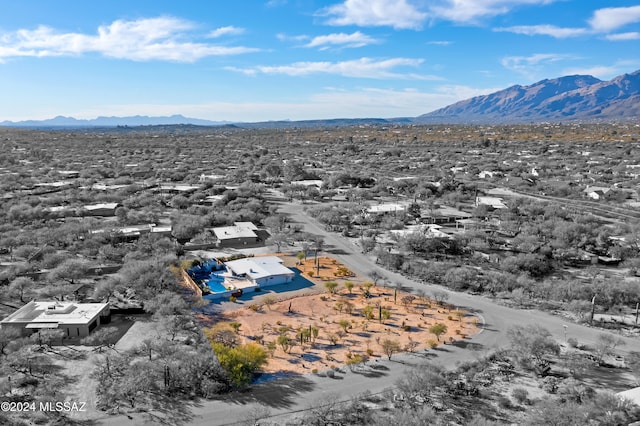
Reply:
x=465, y=344
x=370, y=373
x=281, y=393
x=337, y=251
x=333, y=375
x=486, y=326
x=611, y=378
x=310, y=357
x=380, y=367
x=170, y=411
x=425, y=355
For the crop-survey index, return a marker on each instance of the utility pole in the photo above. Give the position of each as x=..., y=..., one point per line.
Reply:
x=593, y=308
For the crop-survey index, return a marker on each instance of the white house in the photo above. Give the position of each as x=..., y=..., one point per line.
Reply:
x=387, y=208
x=76, y=319
x=493, y=202
x=102, y=209
x=263, y=271
x=596, y=192
x=241, y=233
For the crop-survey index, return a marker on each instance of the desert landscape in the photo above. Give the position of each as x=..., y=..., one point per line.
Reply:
x=343, y=320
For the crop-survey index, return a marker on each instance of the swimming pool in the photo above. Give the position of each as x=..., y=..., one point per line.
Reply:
x=216, y=287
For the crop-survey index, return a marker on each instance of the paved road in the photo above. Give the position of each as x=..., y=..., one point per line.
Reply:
x=298, y=393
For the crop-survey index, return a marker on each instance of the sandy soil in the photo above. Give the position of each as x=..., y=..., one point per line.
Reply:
x=334, y=345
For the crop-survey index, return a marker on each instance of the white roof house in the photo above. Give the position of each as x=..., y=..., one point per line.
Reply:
x=102, y=209
x=494, y=202
x=241, y=233
x=596, y=192
x=309, y=182
x=78, y=319
x=178, y=187
x=632, y=395
x=100, y=206
x=246, y=225
x=236, y=231
x=387, y=208
x=267, y=270
x=432, y=231
x=135, y=230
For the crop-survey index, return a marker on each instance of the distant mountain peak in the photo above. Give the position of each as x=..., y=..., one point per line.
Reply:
x=113, y=121
x=579, y=97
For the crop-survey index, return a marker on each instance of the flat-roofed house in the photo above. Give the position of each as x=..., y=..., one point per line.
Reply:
x=494, y=203
x=134, y=231
x=102, y=209
x=387, y=208
x=76, y=319
x=442, y=214
x=240, y=234
x=263, y=271
x=177, y=188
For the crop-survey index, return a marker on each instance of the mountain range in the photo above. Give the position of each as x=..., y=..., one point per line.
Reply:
x=569, y=98
x=576, y=97
x=137, y=120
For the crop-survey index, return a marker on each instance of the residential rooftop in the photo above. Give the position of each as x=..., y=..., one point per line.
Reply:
x=258, y=267
x=55, y=313
x=238, y=230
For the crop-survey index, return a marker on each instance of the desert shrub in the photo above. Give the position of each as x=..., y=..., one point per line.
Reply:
x=504, y=402
x=520, y=395
x=550, y=384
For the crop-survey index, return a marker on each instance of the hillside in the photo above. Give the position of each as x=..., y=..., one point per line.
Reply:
x=577, y=97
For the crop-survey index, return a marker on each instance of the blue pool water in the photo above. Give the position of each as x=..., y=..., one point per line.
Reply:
x=216, y=287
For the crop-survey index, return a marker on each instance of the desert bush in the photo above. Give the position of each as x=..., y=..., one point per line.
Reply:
x=504, y=402
x=520, y=395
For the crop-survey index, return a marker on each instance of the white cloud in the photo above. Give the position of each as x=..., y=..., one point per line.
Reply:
x=612, y=18
x=604, y=72
x=399, y=14
x=471, y=10
x=624, y=36
x=602, y=21
x=549, y=30
x=285, y=37
x=359, y=68
x=276, y=3
x=222, y=31
x=356, y=39
x=531, y=65
x=141, y=40
x=440, y=43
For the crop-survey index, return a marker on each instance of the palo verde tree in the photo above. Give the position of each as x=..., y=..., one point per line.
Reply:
x=389, y=347
x=438, y=330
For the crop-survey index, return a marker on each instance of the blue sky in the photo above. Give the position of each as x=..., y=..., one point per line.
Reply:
x=254, y=60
